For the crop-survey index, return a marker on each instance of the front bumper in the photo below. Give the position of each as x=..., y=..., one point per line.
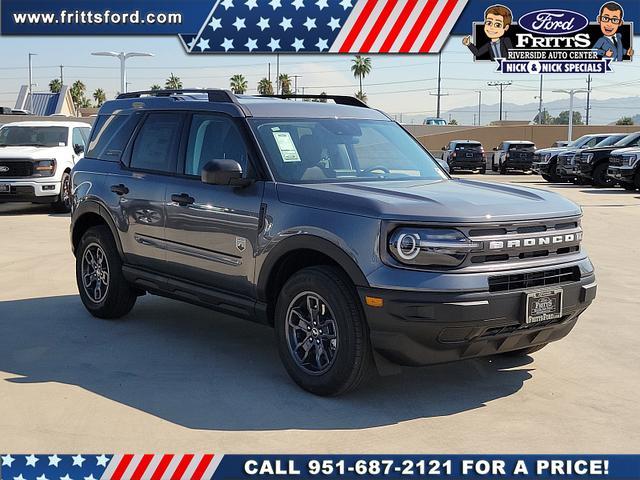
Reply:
x=622, y=174
x=468, y=163
x=421, y=328
x=43, y=191
x=542, y=168
x=523, y=165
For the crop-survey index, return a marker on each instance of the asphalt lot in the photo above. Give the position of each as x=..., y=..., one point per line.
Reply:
x=173, y=377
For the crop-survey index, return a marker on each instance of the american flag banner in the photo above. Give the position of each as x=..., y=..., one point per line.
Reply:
x=326, y=26
x=109, y=467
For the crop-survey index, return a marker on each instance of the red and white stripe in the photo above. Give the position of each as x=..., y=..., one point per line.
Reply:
x=162, y=467
x=398, y=26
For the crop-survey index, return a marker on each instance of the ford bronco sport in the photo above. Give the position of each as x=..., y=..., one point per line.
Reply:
x=326, y=221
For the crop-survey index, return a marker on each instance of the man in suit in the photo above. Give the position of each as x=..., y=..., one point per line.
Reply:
x=497, y=19
x=610, y=45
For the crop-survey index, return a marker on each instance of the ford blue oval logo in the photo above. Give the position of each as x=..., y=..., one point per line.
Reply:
x=553, y=22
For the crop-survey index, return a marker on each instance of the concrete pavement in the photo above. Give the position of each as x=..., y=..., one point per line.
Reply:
x=172, y=377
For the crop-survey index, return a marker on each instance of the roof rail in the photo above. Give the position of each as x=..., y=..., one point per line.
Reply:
x=339, y=99
x=214, y=95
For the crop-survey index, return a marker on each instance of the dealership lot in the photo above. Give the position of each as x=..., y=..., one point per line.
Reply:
x=174, y=377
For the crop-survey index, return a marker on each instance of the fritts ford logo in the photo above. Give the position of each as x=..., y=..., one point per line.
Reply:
x=552, y=40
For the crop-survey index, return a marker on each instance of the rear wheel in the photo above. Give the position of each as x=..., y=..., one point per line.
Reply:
x=103, y=289
x=483, y=170
x=525, y=351
x=63, y=203
x=599, y=176
x=323, y=337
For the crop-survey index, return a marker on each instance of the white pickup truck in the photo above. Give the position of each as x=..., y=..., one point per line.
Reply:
x=36, y=159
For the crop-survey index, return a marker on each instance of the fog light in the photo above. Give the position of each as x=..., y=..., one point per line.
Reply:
x=374, y=302
x=48, y=187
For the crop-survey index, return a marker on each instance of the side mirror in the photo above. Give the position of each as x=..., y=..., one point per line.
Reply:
x=444, y=148
x=78, y=149
x=495, y=149
x=223, y=172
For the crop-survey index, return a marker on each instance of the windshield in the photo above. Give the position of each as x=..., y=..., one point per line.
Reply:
x=612, y=140
x=343, y=150
x=14, y=136
x=628, y=141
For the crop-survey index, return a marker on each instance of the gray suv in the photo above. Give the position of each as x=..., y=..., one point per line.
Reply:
x=327, y=221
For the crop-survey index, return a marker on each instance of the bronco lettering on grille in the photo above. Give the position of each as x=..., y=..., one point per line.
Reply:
x=535, y=241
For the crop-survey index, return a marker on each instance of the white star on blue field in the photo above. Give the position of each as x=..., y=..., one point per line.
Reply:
x=268, y=26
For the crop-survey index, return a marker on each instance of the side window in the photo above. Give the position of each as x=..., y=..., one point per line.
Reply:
x=593, y=141
x=77, y=138
x=635, y=142
x=110, y=135
x=155, y=147
x=214, y=137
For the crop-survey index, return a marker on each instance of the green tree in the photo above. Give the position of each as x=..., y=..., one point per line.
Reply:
x=361, y=96
x=453, y=121
x=55, y=85
x=545, y=118
x=320, y=100
x=78, y=90
x=285, y=84
x=238, y=84
x=155, y=87
x=100, y=97
x=265, y=87
x=173, y=82
x=361, y=68
x=625, y=121
x=563, y=118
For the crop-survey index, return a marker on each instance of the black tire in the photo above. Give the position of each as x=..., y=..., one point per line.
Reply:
x=636, y=180
x=503, y=169
x=630, y=187
x=63, y=203
x=525, y=351
x=323, y=289
x=483, y=170
x=547, y=177
x=118, y=297
x=494, y=167
x=599, y=176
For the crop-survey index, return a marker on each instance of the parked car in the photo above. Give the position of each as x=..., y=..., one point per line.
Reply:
x=545, y=160
x=434, y=121
x=513, y=155
x=464, y=155
x=592, y=164
x=326, y=221
x=560, y=143
x=569, y=164
x=36, y=159
x=624, y=167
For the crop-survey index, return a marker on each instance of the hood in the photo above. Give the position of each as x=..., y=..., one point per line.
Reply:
x=34, y=153
x=620, y=151
x=551, y=150
x=451, y=201
x=608, y=148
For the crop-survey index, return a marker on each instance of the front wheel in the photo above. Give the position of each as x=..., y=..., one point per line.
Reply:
x=63, y=202
x=600, y=178
x=503, y=169
x=323, y=337
x=483, y=170
x=103, y=289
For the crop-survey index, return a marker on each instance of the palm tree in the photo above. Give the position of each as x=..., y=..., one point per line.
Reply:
x=173, y=82
x=238, y=84
x=285, y=84
x=155, y=87
x=265, y=87
x=320, y=99
x=361, y=68
x=100, y=97
x=55, y=85
x=78, y=90
x=361, y=96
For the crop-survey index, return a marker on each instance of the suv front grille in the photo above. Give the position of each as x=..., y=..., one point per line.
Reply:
x=16, y=168
x=542, y=278
x=566, y=160
x=616, y=160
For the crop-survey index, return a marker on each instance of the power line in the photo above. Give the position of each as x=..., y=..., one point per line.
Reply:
x=501, y=86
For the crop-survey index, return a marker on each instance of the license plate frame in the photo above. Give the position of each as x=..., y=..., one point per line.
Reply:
x=5, y=188
x=548, y=305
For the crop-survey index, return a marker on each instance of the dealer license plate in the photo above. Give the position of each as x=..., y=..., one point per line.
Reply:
x=5, y=188
x=543, y=305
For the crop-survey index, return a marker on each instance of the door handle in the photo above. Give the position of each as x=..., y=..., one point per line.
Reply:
x=119, y=189
x=182, y=199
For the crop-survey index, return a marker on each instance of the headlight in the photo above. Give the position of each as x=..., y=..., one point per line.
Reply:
x=630, y=160
x=430, y=246
x=586, y=157
x=44, y=168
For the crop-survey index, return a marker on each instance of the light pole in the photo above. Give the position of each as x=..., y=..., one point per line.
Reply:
x=571, y=92
x=123, y=59
x=539, y=98
x=31, y=82
x=479, y=105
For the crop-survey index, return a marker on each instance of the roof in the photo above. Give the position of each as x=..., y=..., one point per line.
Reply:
x=467, y=141
x=44, y=104
x=518, y=141
x=240, y=105
x=37, y=123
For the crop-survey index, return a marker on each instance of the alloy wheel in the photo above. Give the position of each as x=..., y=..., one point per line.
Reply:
x=95, y=272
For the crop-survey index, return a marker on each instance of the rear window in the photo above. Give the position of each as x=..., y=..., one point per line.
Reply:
x=521, y=146
x=110, y=135
x=468, y=146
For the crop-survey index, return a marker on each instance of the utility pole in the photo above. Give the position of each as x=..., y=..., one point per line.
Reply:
x=295, y=83
x=539, y=97
x=500, y=86
x=588, y=98
x=439, y=94
x=269, y=72
x=277, y=74
x=61, y=75
x=479, y=106
x=572, y=93
x=31, y=81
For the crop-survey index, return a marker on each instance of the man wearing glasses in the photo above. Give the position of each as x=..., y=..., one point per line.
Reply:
x=610, y=45
x=497, y=19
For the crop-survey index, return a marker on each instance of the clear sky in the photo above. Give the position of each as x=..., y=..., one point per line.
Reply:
x=397, y=84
